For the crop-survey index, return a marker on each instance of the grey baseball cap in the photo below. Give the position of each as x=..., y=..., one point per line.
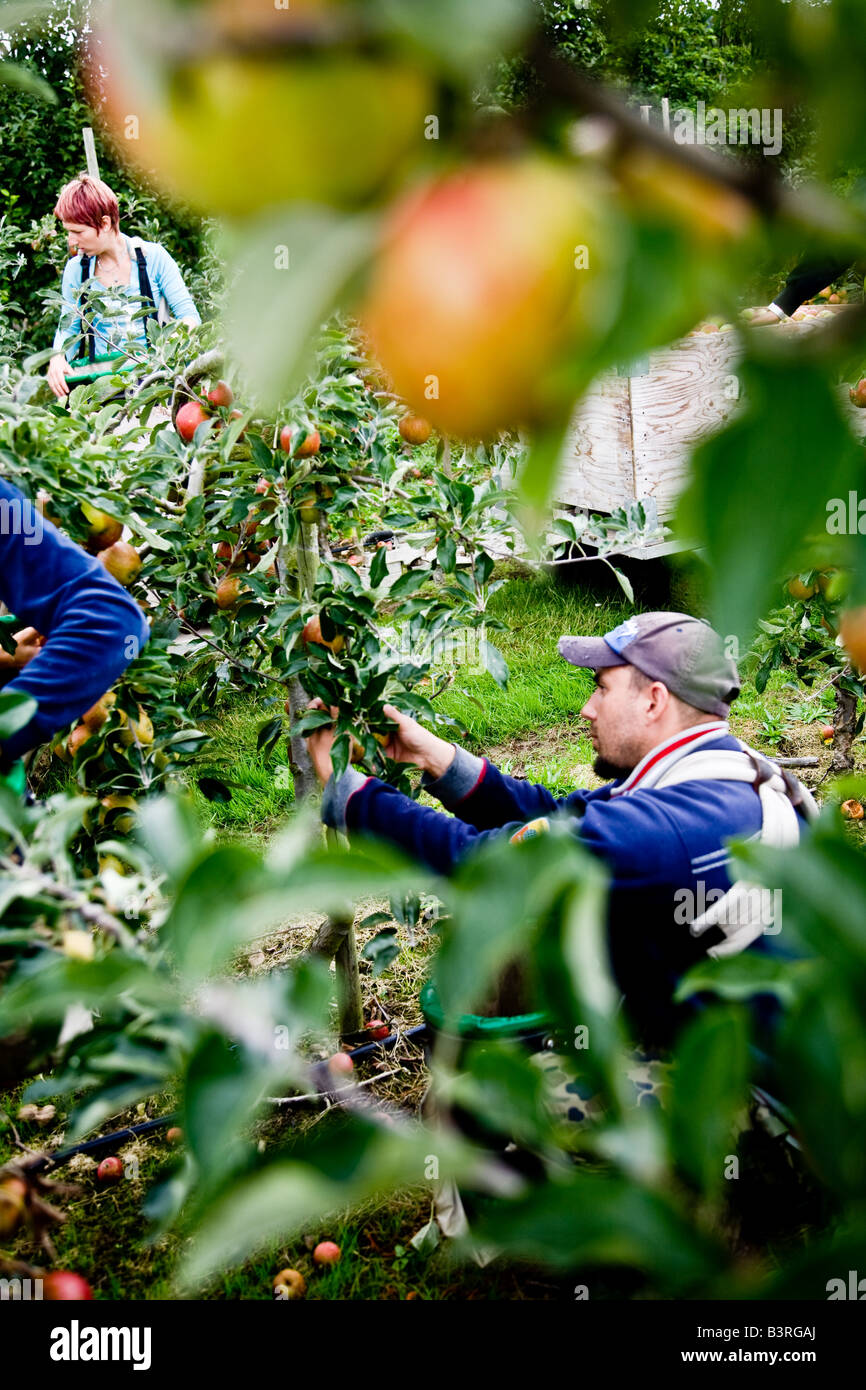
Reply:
x=684, y=653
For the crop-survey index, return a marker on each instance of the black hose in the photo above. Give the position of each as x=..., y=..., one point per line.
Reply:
x=108, y=1143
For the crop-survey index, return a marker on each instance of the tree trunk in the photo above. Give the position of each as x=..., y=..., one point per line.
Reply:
x=303, y=774
x=845, y=724
x=350, y=1001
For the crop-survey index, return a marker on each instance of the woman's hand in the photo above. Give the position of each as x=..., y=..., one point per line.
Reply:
x=57, y=369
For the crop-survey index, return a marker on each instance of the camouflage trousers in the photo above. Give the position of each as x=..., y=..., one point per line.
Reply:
x=571, y=1099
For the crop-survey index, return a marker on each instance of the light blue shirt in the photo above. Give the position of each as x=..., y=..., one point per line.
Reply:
x=111, y=333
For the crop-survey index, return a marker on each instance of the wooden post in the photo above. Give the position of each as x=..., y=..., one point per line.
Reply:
x=349, y=997
x=339, y=931
x=90, y=152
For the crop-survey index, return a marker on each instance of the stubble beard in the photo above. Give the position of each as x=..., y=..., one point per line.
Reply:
x=611, y=772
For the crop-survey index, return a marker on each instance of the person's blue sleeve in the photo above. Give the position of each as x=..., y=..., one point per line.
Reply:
x=93, y=628
x=364, y=804
x=170, y=282
x=475, y=790
x=359, y=803
x=69, y=315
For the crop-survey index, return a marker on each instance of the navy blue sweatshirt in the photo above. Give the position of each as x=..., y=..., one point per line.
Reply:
x=94, y=629
x=655, y=843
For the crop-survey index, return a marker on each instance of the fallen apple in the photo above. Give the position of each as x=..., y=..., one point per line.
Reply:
x=852, y=810
x=62, y=1285
x=341, y=1064
x=289, y=1284
x=827, y=732
x=174, y=1135
x=110, y=1170
x=378, y=1029
x=13, y=1195
x=326, y=1253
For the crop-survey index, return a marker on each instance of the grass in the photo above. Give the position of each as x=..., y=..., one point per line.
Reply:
x=532, y=729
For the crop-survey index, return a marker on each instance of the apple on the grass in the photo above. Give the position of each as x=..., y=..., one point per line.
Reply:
x=289, y=1284
x=110, y=1169
x=64, y=1285
x=341, y=1064
x=327, y=1252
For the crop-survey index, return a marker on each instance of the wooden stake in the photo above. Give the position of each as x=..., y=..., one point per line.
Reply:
x=90, y=152
x=350, y=1000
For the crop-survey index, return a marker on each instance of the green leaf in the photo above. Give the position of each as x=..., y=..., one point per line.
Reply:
x=269, y=735
x=381, y=949
x=16, y=712
x=312, y=719
x=408, y=583
x=741, y=506
x=379, y=567
x=741, y=977
x=624, y=584
x=494, y=662
x=709, y=1089
x=446, y=554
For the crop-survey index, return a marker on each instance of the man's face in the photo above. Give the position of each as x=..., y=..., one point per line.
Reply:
x=617, y=714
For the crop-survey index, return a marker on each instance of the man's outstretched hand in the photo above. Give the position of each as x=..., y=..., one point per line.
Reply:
x=409, y=743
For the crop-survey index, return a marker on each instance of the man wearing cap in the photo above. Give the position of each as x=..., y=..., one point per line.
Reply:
x=683, y=788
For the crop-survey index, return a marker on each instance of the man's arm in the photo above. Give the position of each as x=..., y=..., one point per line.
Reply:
x=93, y=629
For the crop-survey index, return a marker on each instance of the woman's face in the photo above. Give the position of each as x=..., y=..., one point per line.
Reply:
x=81, y=237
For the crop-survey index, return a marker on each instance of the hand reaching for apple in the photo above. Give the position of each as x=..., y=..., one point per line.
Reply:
x=409, y=743
x=762, y=317
x=29, y=644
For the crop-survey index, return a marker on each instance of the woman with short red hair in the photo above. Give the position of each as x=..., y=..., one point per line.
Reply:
x=89, y=211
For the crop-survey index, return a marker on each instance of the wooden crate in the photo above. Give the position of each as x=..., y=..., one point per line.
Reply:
x=632, y=436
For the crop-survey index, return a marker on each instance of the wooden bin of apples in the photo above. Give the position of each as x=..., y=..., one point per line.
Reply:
x=632, y=433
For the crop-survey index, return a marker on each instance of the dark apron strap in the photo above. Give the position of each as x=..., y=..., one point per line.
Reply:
x=144, y=285
x=91, y=341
